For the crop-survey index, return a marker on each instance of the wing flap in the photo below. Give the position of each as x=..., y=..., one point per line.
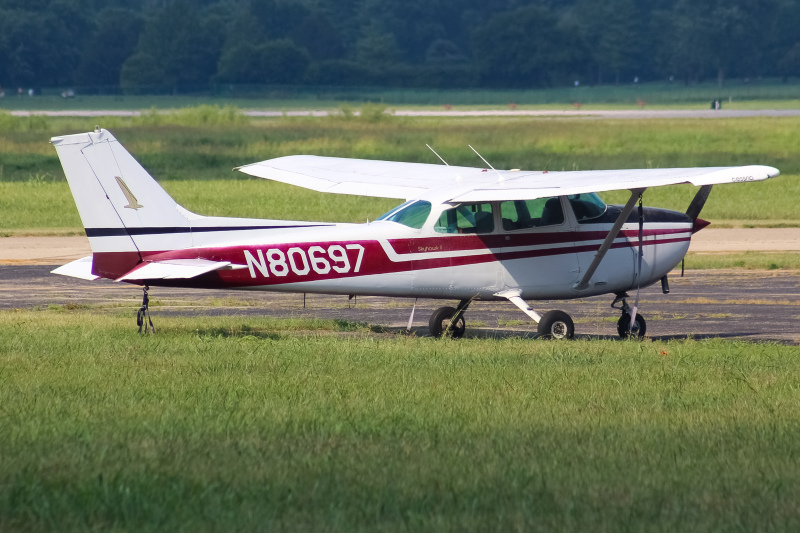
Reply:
x=175, y=269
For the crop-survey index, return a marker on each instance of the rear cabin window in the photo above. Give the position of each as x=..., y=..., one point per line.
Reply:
x=586, y=206
x=411, y=214
x=522, y=214
x=466, y=218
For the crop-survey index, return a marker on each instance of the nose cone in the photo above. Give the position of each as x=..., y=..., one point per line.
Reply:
x=699, y=224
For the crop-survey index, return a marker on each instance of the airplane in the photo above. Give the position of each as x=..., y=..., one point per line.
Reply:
x=462, y=234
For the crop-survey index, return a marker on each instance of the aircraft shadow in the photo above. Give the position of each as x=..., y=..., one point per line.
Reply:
x=482, y=333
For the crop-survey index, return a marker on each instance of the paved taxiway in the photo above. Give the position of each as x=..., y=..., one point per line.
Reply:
x=756, y=306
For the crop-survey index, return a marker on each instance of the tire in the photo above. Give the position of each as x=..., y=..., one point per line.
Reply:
x=556, y=325
x=639, y=328
x=440, y=320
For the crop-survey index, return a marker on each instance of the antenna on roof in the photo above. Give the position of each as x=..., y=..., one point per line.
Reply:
x=437, y=155
x=499, y=176
x=458, y=176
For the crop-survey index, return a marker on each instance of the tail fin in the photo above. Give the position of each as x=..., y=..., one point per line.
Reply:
x=123, y=209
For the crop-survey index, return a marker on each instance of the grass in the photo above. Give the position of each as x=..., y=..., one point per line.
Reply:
x=192, y=151
x=767, y=93
x=743, y=260
x=213, y=424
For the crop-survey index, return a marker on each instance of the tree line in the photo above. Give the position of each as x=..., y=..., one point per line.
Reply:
x=182, y=45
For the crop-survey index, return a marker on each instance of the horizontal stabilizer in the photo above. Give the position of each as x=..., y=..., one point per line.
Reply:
x=81, y=268
x=176, y=269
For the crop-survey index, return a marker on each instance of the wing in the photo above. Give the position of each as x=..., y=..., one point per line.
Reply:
x=542, y=184
x=390, y=179
x=384, y=179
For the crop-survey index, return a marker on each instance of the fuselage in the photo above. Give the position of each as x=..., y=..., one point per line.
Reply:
x=539, y=257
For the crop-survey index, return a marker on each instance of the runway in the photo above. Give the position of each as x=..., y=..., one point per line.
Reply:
x=761, y=306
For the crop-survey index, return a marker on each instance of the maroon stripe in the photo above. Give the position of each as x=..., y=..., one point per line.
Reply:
x=374, y=261
x=452, y=243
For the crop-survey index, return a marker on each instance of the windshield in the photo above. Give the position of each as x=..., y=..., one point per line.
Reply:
x=586, y=206
x=411, y=214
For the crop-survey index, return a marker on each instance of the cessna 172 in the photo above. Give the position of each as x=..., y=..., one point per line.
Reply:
x=463, y=233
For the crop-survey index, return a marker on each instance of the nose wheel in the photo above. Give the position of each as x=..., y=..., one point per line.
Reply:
x=624, y=327
x=636, y=331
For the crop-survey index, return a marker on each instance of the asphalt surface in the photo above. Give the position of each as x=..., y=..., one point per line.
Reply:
x=755, y=306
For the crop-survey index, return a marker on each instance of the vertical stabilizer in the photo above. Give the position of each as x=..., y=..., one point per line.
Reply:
x=123, y=209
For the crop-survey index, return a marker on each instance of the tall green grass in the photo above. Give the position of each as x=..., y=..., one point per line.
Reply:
x=192, y=152
x=216, y=423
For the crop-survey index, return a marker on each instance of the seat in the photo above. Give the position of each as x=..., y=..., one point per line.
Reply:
x=552, y=213
x=484, y=222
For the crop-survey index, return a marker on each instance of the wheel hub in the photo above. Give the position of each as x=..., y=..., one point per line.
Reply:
x=559, y=330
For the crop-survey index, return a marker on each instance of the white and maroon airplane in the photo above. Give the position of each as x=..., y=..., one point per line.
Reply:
x=463, y=233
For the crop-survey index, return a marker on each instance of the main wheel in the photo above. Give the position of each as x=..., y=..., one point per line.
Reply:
x=556, y=325
x=442, y=318
x=637, y=331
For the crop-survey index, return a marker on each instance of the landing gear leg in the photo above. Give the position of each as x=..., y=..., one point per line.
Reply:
x=551, y=325
x=449, y=321
x=143, y=315
x=624, y=327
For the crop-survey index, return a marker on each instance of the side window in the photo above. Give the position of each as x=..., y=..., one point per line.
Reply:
x=586, y=206
x=522, y=214
x=466, y=218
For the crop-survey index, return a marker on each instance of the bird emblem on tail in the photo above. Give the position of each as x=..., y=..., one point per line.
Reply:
x=132, y=202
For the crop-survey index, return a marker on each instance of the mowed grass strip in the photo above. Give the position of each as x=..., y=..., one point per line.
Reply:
x=313, y=425
x=742, y=260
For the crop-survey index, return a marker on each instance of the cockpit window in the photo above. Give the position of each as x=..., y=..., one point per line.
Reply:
x=466, y=218
x=411, y=214
x=522, y=214
x=586, y=206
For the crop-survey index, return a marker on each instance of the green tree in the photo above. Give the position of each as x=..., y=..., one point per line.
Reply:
x=241, y=63
x=142, y=72
x=112, y=43
x=279, y=18
x=376, y=48
x=183, y=55
x=282, y=61
x=39, y=50
x=319, y=36
x=530, y=46
x=611, y=32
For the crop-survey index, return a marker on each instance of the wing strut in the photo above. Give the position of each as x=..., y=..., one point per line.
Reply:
x=583, y=284
x=514, y=296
